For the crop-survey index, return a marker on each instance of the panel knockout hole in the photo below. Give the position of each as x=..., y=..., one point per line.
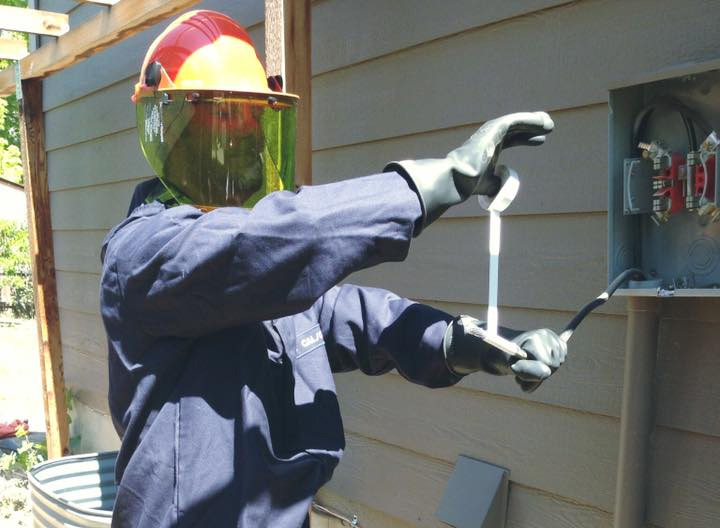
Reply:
x=703, y=255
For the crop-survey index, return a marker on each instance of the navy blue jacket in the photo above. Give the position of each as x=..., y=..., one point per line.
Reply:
x=224, y=329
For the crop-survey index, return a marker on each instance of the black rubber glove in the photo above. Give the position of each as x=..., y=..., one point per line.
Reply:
x=470, y=169
x=466, y=352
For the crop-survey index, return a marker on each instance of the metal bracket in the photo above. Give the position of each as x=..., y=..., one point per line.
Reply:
x=353, y=521
x=18, y=82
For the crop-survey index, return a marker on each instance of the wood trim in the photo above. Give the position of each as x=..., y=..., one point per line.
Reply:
x=34, y=21
x=288, y=51
x=13, y=49
x=298, y=80
x=121, y=21
x=32, y=134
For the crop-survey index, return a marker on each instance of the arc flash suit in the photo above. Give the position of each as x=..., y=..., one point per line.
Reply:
x=225, y=327
x=224, y=331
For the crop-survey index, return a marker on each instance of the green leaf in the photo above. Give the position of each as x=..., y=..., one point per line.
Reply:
x=15, y=270
x=7, y=461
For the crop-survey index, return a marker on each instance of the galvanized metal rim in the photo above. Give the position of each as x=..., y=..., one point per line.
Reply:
x=36, y=485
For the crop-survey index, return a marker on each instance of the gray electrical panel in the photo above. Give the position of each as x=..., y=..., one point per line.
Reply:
x=664, y=184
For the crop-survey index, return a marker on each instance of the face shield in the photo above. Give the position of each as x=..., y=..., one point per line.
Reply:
x=213, y=149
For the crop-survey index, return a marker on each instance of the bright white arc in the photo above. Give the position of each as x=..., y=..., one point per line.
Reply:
x=492, y=322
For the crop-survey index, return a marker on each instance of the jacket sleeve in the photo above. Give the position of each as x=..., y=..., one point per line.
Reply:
x=376, y=331
x=183, y=273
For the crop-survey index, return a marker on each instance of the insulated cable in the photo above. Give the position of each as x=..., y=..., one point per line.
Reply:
x=599, y=300
x=667, y=103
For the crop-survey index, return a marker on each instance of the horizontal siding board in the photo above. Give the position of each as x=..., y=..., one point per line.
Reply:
x=87, y=376
x=366, y=515
x=557, y=178
x=84, y=332
x=108, y=159
x=549, y=61
x=550, y=262
x=533, y=509
x=395, y=481
x=688, y=392
x=346, y=31
x=125, y=58
x=592, y=377
x=410, y=486
x=531, y=440
x=95, y=208
x=697, y=309
x=97, y=431
x=98, y=114
x=79, y=292
x=78, y=250
x=685, y=480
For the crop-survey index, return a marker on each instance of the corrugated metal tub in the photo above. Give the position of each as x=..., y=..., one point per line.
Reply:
x=75, y=491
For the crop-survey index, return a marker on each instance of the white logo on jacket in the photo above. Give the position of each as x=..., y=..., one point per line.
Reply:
x=309, y=340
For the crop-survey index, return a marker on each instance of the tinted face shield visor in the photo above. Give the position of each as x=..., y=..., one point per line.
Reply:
x=214, y=149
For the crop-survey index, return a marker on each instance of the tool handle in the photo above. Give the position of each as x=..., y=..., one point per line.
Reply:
x=503, y=344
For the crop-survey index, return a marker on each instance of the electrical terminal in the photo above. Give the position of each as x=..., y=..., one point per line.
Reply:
x=656, y=151
x=711, y=144
x=706, y=172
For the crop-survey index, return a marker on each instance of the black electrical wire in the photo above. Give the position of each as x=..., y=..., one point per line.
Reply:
x=600, y=300
x=689, y=117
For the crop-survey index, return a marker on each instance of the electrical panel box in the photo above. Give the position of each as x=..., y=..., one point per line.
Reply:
x=664, y=201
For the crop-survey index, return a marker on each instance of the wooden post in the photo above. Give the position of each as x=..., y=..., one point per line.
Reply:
x=32, y=135
x=288, y=50
x=34, y=21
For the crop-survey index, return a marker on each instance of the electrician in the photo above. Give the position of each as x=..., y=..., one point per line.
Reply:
x=220, y=292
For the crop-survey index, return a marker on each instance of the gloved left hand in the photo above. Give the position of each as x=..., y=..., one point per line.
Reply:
x=467, y=352
x=470, y=169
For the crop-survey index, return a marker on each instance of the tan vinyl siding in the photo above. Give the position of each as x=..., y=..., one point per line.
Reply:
x=421, y=99
x=405, y=79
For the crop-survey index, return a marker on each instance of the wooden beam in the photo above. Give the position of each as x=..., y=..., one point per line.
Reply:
x=32, y=135
x=33, y=21
x=13, y=49
x=288, y=50
x=123, y=20
x=275, y=38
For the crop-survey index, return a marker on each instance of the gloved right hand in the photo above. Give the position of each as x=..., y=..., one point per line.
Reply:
x=470, y=168
x=466, y=352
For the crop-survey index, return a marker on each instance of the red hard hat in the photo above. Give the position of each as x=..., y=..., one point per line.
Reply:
x=203, y=50
x=209, y=125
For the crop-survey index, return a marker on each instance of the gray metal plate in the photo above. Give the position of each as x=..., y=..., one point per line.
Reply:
x=476, y=495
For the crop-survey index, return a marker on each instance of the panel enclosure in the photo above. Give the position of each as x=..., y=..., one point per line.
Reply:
x=673, y=234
